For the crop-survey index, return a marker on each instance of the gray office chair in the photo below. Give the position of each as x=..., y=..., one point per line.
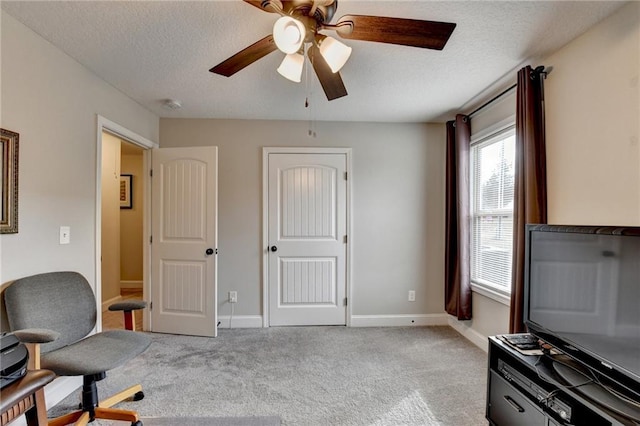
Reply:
x=53, y=314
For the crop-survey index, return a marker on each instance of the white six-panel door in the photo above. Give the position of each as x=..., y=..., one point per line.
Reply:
x=184, y=233
x=307, y=236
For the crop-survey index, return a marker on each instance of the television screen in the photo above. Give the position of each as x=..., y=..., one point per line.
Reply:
x=582, y=292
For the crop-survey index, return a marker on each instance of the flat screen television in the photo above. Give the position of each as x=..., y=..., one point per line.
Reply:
x=582, y=296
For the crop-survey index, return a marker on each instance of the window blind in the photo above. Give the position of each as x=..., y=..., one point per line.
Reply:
x=492, y=210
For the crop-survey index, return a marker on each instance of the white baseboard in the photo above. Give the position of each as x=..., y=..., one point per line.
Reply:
x=255, y=321
x=131, y=284
x=398, y=320
x=106, y=303
x=469, y=333
x=240, y=321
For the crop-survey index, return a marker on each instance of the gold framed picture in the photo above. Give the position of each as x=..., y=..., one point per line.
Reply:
x=126, y=191
x=9, y=182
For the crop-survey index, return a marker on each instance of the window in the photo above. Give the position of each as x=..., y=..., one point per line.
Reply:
x=492, y=196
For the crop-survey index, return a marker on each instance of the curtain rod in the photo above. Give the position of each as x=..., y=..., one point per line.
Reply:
x=492, y=100
x=538, y=70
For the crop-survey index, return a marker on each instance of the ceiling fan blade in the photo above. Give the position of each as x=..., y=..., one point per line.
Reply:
x=331, y=82
x=407, y=32
x=267, y=6
x=245, y=57
x=256, y=3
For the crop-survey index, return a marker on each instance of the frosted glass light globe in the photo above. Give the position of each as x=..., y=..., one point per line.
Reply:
x=288, y=33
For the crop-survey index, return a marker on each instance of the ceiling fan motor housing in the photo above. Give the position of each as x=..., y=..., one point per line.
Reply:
x=324, y=9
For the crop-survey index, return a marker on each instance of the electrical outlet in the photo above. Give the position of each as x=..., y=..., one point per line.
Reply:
x=412, y=296
x=233, y=297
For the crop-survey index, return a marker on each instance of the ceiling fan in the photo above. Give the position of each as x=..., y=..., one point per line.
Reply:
x=299, y=27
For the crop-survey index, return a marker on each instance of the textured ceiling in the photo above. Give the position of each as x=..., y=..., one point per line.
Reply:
x=156, y=50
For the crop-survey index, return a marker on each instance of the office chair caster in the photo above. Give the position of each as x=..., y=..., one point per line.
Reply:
x=138, y=423
x=138, y=396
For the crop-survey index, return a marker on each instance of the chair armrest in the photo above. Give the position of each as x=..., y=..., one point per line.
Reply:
x=131, y=305
x=36, y=335
x=32, y=338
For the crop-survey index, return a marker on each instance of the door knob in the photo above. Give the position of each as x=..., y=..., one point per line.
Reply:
x=274, y=248
x=209, y=251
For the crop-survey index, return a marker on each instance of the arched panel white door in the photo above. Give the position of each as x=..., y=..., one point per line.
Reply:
x=307, y=219
x=184, y=239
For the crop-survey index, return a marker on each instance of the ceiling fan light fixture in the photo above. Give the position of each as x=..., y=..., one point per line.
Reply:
x=289, y=34
x=291, y=67
x=334, y=52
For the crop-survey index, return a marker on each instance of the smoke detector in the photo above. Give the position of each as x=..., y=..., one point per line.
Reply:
x=172, y=104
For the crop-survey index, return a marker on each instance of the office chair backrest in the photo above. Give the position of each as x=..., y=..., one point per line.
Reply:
x=58, y=301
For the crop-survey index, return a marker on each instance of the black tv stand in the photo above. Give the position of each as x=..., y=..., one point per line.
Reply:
x=527, y=390
x=583, y=382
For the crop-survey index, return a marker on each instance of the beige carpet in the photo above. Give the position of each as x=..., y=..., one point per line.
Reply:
x=310, y=376
x=210, y=421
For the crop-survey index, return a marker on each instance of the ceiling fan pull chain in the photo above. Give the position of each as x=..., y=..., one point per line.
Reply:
x=309, y=99
x=310, y=81
x=306, y=77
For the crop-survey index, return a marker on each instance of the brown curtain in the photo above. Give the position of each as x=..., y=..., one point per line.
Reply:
x=457, y=286
x=530, y=205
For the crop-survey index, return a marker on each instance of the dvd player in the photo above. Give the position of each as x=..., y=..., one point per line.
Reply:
x=535, y=391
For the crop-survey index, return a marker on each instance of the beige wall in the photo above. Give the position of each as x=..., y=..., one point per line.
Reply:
x=397, y=206
x=131, y=221
x=110, y=217
x=53, y=102
x=593, y=127
x=593, y=132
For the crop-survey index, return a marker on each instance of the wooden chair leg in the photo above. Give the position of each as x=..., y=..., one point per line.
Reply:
x=67, y=419
x=37, y=415
x=83, y=420
x=119, y=397
x=129, y=320
x=116, y=414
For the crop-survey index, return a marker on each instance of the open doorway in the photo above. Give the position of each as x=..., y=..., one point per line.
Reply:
x=122, y=227
x=125, y=153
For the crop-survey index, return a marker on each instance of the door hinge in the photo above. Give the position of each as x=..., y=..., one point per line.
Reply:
x=151, y=172
x=345, y=301
x=151, y=239
x=345, y=239
x=151, y=306
x=345, y=175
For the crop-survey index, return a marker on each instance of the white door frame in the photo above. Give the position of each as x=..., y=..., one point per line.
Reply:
x=265, y=221
x=106, y=125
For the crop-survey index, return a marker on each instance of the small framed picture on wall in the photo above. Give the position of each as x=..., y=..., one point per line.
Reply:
x=126, y=191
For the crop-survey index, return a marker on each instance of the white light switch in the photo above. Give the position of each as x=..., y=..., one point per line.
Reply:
x=65, y=235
